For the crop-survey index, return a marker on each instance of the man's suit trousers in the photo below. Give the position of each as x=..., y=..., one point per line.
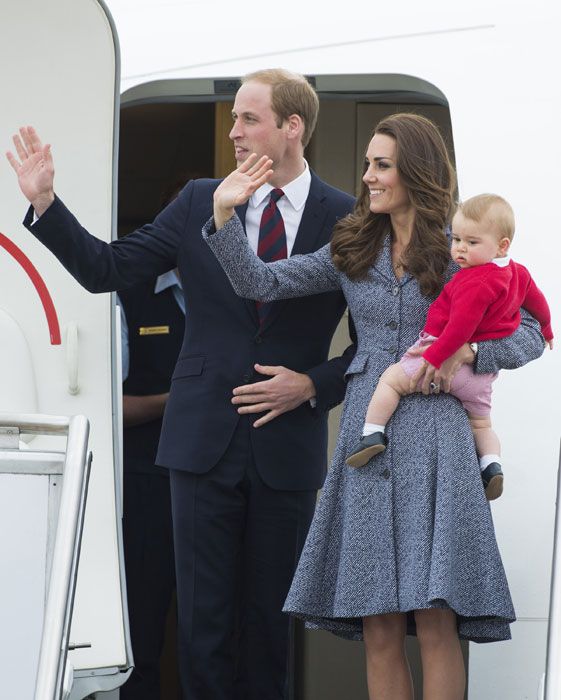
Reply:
x=237, y=543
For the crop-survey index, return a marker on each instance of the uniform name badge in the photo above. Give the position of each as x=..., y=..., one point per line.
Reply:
x=153, y=330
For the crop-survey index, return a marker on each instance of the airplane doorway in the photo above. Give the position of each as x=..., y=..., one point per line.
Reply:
x=172, y=131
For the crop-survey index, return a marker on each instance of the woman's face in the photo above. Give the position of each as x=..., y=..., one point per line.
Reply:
x=387, y=194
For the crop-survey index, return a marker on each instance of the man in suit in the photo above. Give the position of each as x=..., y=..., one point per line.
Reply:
x=244, y=470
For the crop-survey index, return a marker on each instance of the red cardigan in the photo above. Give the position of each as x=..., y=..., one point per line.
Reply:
x=482, y=303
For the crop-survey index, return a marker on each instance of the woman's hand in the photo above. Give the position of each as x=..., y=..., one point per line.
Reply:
x=238, y=187
x=431, y=380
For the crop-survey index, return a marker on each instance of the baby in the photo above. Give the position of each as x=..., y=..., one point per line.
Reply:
x=482, y=301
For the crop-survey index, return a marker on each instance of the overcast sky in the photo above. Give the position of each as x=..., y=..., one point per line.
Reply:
x=173, y=38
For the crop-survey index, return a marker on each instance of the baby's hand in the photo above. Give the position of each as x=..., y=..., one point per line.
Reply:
x=550, y=343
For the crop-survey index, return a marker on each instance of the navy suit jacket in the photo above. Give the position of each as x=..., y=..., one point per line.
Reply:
x=222, y=336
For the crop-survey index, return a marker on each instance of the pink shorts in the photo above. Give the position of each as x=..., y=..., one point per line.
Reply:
x=473, y=390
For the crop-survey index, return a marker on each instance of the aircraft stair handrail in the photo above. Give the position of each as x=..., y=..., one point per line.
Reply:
x=50, y=682
x=552, y=685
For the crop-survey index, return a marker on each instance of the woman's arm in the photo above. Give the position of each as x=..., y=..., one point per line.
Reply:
x=523, y=346
x=298, y=276
x=251, y=278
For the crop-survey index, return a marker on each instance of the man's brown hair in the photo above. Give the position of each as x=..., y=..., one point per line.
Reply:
x=291, y=94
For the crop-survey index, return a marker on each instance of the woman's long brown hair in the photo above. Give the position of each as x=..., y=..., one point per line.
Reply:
x=425, y=170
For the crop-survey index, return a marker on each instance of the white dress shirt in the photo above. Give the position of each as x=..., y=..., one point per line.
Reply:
x=291, y=207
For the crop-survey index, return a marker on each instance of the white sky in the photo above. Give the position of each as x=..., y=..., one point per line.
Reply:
x=205, y=37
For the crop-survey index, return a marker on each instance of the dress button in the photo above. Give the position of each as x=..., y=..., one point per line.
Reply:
x=246, y=377
x=392, y=349
x=386, y=473
x=258, y=339
x=392, y=325
x=395, y=290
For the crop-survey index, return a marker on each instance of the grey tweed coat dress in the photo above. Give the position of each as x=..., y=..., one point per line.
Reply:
x=412, y=529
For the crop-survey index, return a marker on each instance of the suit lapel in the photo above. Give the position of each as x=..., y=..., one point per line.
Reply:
x=311, y=225
x=313, y=218
x=248, y=303
x=240, y=211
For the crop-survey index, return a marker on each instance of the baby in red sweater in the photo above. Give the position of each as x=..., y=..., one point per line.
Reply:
x=482, y=301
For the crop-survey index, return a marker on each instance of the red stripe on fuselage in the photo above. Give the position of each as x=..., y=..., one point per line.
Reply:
x=38, y=283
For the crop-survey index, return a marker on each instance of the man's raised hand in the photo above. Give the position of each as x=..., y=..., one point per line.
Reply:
x=34, y=168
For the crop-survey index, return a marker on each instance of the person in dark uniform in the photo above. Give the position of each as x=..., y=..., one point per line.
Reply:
x=152, y=328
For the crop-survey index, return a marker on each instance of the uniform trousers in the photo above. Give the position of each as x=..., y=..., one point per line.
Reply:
x=237, y=543
x=149, y=564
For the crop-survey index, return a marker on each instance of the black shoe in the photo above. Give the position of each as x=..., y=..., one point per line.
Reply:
x=493, y=478
x=368, y=446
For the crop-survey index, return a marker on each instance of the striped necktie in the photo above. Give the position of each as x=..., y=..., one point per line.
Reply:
x=272, y=241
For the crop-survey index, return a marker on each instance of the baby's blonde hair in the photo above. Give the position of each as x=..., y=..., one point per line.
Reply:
x=496, y=210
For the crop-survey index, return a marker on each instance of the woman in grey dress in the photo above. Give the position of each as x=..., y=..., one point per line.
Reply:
x=406, y=542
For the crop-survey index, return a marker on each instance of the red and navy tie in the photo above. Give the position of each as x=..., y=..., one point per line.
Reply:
x=272, y=241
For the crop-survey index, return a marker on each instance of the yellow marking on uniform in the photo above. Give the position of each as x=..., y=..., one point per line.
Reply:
x=153, y=330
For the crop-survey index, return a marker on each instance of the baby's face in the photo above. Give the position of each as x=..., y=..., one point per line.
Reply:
x=475, y=242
